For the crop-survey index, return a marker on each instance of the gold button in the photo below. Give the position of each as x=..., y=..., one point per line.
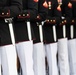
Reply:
x=37, y=16
x=23, y=14
x=53, y=20
x=27, y=14
x=2, y=13
x=7, y=13
x=65, y=21
x=72, y=20
x=47, y=20
x=19, y=15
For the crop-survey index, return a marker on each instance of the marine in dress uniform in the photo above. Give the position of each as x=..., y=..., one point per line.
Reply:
x=49, y=29
x=72, y=39
x=39, y=52
x=0, y=62
x=24, y=43
x=63, y=37
x=8, y=9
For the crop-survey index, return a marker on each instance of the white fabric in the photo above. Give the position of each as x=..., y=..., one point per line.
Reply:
x=63, y=56
x=51, y=52
x=25, y=54
x=39, y=59
x=72, y=56
x=0, y=61
x=9, y=60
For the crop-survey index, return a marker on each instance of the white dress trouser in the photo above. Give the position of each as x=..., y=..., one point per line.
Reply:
x=72, y=56
x=25, y=54
x=9, y=60
x=0, y=60
x=63, y=57
x=39, y=59
x=51, y=52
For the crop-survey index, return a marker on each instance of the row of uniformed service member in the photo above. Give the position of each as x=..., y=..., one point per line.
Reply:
x=29, y=35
